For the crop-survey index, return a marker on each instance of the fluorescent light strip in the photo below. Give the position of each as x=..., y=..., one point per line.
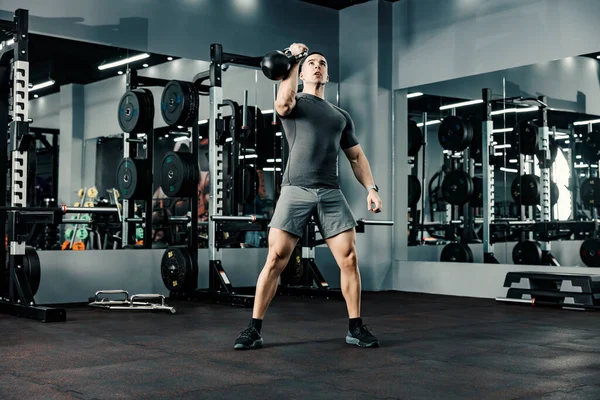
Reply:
x=41, y=85
x=591, y=121
x=581, y=166
x=181, y=139
x=433, y=122
x=124, y=61
x=461, y=104
x=509, y=170
x=415, y=94
x=267, y=112
x=502, y=130
x=202, y=122
x=249, y=156
x=271, y=169
x=513, y=161
x=229, y=139
x=503, y=146
x=561, y=137
x=515, y=110
x=278, y=134
x=273, y=160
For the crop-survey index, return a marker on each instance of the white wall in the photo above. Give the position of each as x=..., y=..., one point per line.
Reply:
x=440, y=40
x=45, y=111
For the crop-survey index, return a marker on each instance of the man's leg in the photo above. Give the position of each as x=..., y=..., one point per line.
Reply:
x=343, y=248
x=281, y=246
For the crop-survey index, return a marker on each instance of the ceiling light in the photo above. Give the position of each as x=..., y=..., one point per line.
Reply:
x=170, y=58
x=181, y=139
x=435, y=121
x=36, y=95
x=591, y=121
x=509, y=170
x=502, y=130
x=120, y=72
x=503, y=146
x=515, y=110
x=271, y=169
x=461, y=104
x=145, y=65
x=415, y=94
x=124, y=61
x=266, y=111
x=42, y=85
x=202, y=122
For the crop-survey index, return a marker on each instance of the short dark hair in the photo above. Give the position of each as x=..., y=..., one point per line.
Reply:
x=308, y=55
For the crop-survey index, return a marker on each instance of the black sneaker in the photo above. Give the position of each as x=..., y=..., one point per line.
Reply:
x=362, y=337
x=248, y=339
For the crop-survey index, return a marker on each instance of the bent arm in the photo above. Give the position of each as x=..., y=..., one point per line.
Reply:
x=286, y=96
x=360, y=165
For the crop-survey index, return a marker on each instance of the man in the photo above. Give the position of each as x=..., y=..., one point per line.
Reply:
x=315, y=130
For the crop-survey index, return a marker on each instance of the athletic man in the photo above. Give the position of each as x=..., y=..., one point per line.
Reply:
x=315, y=130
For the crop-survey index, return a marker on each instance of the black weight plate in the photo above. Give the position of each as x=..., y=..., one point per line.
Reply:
x=525, y=137
x=590, y=192
x=246, y=184
x=176, y=268
x=33, y=268
x=457, y=187
x=468, y=139
x=554, y=193
x=453, y=134
x=179, y=103
x=527, y=252
x=415, y=138
x=590, y=147
x=590, y=252
x=477, y=197
x=136, y=111
x=133, y=177
x=525, y=190
x=456, y=252
x=179, y=174
x=414, y=190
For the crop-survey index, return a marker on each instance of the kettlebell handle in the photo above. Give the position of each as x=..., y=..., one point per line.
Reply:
x=297, y=57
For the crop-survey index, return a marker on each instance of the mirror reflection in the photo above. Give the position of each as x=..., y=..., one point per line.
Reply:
x=540, y=167
x=75, y=103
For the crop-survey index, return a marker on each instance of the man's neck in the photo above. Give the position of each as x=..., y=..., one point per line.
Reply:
x=315, y=90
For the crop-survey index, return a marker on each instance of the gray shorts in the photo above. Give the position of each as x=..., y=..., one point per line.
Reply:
x=296, y=205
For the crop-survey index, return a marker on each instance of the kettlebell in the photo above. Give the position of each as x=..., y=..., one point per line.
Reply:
x=276, y=64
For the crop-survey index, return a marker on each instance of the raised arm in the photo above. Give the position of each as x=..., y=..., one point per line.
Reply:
x=286, y=96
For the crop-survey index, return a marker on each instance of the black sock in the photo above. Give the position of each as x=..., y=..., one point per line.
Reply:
x=354, y=323
x=257, y=324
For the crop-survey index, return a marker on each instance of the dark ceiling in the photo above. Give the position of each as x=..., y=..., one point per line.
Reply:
x=338, y=4
x=68, y=61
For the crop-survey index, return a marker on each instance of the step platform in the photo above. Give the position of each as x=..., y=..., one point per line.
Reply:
x=566, y=290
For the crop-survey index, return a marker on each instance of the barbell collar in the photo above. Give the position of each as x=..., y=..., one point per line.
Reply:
x=241, y=218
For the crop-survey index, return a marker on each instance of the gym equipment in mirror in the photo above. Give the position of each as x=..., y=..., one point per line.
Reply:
x=503, y=166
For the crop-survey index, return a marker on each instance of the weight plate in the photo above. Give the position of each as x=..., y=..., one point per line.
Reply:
x=414, y=190
x=454, y=134
x=82, y=234
x=139, y=233
x=525, y=137
x=136, y=111
x=476, y=199
x=179, y=103
x=133, y=177
x=179, y=174
x=554, y=193
x=457, y=187
x=524, y=190
x=590, y=192
x=69, y=234
x=527, y=252
x=590, y=147
x=245, y=184
x=476, y=146
x=176, y=268
x=590, y=252
x=415, y=138
x=33, y=271
x=456, y=252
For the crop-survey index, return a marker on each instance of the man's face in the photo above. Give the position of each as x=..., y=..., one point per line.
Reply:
x=314, y=69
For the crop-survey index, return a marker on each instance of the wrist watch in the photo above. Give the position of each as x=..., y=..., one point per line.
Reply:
x=375, y=187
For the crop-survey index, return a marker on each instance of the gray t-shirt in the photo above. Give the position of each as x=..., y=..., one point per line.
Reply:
x=315, y=130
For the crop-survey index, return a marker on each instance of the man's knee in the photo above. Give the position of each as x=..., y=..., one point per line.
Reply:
x=349, y=259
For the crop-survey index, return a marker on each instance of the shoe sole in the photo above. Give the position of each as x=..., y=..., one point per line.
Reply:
x=355, y=341
x=257, y=344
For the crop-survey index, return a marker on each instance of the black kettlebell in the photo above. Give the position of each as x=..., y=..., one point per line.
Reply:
x=276, y=64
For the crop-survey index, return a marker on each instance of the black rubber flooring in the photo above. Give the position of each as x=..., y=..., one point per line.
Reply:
x=433, y=347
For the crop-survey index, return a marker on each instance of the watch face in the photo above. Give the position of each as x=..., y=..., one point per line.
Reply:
x=376, y=188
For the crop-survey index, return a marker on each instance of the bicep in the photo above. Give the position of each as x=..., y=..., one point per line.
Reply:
x=353, y=153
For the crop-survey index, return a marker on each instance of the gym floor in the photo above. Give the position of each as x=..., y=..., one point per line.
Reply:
x=433, y=347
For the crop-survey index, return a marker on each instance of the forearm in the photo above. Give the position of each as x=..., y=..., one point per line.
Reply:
x=286, y=95
x=362, y=171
